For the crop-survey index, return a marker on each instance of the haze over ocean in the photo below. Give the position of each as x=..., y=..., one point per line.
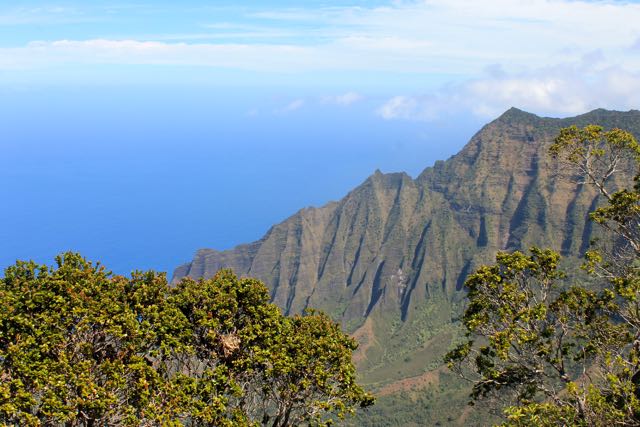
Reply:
x=139, y=132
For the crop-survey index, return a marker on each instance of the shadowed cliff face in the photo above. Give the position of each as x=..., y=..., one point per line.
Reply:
x=389, y=260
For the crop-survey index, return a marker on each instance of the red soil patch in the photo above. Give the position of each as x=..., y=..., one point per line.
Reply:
x=366, y=338
x=412, y=383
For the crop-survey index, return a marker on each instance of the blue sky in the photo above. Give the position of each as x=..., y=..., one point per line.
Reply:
x=137, y=131
x=429, y=57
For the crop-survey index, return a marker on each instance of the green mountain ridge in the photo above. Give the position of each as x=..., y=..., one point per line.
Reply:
x=389, y=259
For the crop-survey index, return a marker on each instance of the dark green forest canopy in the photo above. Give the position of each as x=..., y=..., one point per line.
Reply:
x=81, y=347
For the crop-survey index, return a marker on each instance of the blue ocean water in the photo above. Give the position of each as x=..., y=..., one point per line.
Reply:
x=140, y=177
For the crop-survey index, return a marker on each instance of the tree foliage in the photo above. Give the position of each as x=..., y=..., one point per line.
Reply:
x=80, y=347
x=557, y=353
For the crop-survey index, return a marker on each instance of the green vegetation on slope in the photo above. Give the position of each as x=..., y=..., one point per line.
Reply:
x=389, y=260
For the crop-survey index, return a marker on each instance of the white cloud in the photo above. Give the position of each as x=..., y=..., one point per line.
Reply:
x=43, y=15
x=430, y=36
x=562, y=90
x=541, y=44
x=345, y=99
x=292, y=106
x=401, y=107
x=294, y=15
x=58, y=53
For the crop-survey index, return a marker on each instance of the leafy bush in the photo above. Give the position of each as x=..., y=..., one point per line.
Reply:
x=81, y=347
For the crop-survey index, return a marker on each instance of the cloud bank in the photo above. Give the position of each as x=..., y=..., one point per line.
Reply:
x=452, y=36
x=549, y=56
x=563, y=90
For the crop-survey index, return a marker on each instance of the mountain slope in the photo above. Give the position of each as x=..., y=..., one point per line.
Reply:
x=390, y=258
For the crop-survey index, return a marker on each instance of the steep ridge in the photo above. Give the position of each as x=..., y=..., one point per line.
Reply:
x=390, y=258
x=394, y=239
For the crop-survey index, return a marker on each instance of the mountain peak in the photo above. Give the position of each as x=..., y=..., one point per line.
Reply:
x=515, y=114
